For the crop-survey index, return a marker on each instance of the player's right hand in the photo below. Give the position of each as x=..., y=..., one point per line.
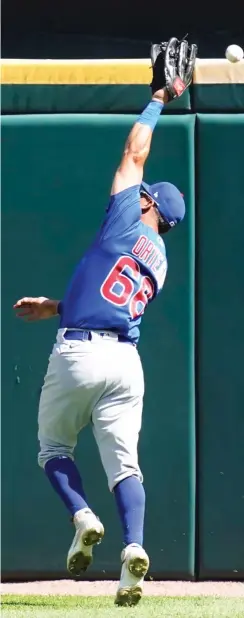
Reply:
x=32, y=309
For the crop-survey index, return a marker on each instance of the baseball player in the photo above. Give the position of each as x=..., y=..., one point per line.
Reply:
x=94, y=373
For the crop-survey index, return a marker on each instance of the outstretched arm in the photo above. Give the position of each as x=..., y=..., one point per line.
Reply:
x=137, y=147
x=40, y=308
x=172, y=64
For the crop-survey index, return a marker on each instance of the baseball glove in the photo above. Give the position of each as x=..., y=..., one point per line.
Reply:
x=172, y=65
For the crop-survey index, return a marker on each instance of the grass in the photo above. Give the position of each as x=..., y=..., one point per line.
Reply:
x=103, y=607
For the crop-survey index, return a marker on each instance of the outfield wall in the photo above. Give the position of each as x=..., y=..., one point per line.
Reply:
x=191, y=446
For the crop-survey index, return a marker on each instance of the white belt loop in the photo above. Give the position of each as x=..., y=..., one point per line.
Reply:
x=60, y=335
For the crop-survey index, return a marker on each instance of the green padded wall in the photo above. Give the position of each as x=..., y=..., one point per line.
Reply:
x=209, y=98
x=56, y=175
x=100, y=98
x=116, y=99
x=167, y=349
x=220, y=344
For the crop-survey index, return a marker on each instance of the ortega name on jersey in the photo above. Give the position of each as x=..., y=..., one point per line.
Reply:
x=122, y=271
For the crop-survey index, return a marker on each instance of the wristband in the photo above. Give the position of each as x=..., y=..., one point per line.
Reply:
x=151, y=113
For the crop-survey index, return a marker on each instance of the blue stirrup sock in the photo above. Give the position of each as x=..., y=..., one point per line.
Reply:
x=65, y=479
x=151, y=113
x=130, y=500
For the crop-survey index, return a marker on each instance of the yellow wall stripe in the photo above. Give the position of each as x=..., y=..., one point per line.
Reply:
x=76, y=72
x=88, y=72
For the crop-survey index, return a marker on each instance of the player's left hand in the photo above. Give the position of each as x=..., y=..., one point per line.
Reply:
x=32, y=309
x=173, y=64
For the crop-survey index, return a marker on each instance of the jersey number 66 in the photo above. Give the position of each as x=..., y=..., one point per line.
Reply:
x=125, y=293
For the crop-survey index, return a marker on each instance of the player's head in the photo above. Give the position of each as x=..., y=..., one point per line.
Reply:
x=168, y=202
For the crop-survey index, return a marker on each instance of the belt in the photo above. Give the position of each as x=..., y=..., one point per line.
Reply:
x=89, y=335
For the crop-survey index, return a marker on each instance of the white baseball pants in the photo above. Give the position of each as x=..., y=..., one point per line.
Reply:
x=98, y=382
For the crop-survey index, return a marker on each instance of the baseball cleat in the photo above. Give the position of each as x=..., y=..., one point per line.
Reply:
x=89, y=532
x=135, y=564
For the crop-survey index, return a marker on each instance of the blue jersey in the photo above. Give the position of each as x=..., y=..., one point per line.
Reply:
x=122, y=271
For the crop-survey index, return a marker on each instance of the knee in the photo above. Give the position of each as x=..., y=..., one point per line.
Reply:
x=48, y=452
x=114, y=479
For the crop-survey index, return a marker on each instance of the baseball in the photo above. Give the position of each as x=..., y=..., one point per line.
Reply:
x=234, y=53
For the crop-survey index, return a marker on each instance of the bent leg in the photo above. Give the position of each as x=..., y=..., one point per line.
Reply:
x=66, y=402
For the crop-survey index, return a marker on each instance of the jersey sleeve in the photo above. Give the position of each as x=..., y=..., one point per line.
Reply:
x=123, y=212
